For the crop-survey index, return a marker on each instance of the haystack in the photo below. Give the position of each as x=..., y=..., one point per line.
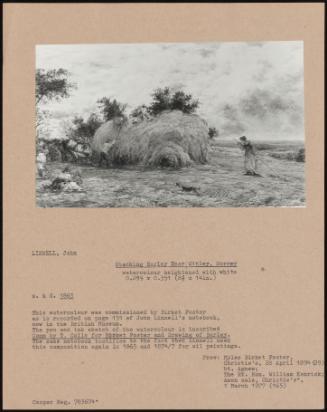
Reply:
x=171, y=139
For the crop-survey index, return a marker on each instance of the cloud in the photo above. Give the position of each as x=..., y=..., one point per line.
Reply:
x=264, y=68
x=177, y=86
x=261, y=81
x=206, y=52
x=255, y=44
x=263, y=113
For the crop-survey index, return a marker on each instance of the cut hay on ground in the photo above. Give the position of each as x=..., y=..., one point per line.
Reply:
x=172, y=139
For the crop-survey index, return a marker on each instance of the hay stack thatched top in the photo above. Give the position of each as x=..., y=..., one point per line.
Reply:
x=171, y=139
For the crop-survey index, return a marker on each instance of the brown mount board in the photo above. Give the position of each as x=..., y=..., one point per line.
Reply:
x=273, y=306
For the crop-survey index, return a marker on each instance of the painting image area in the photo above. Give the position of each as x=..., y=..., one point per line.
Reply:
x=170, y=125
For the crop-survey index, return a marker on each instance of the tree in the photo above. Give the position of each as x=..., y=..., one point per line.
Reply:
x=161, y=99
x=184, y=102
x=93, y=123
x=165, y=99
x=83, y=130
x=212, y=132
x=111, y=108
x=52, y=84
x=42, y=117
x=49, y=85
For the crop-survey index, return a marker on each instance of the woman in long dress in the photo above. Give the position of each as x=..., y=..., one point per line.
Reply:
x=250, y=160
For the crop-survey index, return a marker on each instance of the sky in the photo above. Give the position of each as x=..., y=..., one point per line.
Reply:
x=254, y=88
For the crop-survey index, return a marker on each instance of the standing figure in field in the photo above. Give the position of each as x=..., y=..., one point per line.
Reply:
x=250, y=160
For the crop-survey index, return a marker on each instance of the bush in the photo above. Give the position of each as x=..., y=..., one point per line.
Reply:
x=139, y=114
x=164, y=99
x=84, y=130
x=54, y=154
x=212, y=132
x=301, y=155
x=111, y=108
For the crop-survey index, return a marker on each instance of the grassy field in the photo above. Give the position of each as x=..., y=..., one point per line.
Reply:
x=219, y=183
